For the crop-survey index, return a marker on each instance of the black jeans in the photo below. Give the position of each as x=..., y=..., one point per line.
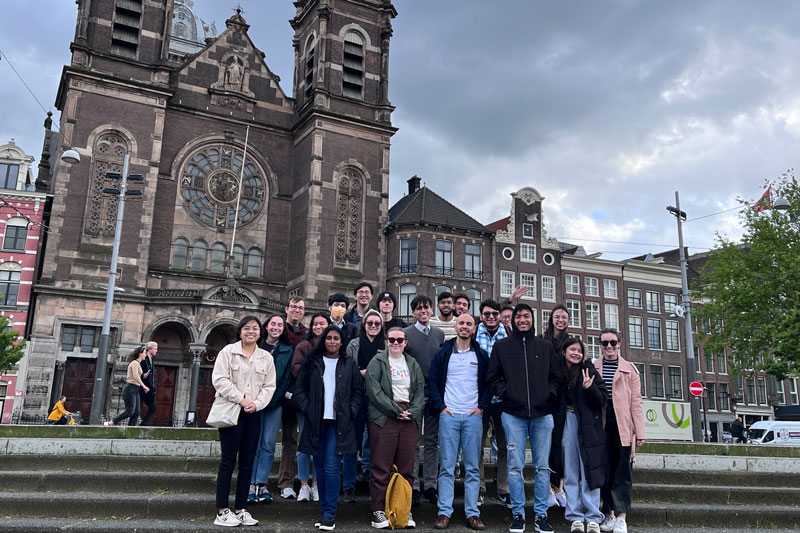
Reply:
x=133, y=406
x=616, y=492
x=148, y=399
x=241, y=440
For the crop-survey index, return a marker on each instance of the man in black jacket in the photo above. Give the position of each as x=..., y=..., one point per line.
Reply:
x=525, y=373
x=149, y=379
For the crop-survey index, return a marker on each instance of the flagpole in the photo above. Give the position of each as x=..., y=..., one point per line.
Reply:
x=239, y=197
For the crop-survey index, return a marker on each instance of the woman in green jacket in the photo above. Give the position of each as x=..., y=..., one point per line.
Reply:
x=396, y=391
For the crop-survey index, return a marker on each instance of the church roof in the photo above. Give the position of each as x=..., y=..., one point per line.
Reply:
x=425, y=207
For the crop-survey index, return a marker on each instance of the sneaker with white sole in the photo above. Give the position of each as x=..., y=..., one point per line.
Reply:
x=621, y=526
x=251, y=495
x=517, y=524
x=411, y=524
x=542, y=525
x=287, y=493
x=327, y=524
x=246, y=518
x=379, y=520
x=305, y=494
x=608, y=523
x=262, y=494
x=577, y=527
x=551, y=499
x=561, y=499
x=227, y=518
x=592, y=527
x=314, y=493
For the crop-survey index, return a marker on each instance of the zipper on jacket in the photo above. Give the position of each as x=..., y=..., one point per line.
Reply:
x=527, y=379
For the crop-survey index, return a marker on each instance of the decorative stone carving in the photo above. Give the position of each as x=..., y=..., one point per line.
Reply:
x=232, y=88
x=349, y=205
x=101, y=218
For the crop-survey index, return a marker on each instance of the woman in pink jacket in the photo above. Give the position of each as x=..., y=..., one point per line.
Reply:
x=624, y=428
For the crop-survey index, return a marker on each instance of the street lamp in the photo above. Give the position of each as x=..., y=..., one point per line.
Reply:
x=98, y=395
x=71, y=156
x=691, y=365
x=781, y=204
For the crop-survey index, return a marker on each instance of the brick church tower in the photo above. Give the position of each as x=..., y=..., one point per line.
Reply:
x=148, y=79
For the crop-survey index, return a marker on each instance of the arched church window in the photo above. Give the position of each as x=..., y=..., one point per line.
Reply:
x=199, y=255
x=108, y=154
x=253, y=263
x=238, y=260
x=180, y=251
x=218, y=252
x=309, y=64
x=349, y=205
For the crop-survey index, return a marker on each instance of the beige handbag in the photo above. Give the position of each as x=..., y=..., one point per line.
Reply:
x=225, y=413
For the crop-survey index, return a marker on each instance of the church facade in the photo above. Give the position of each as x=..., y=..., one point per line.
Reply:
x=250, y=195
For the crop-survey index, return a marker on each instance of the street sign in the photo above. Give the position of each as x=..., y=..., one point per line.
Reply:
x=696, y=388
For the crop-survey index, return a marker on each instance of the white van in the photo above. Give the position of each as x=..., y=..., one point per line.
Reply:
x=775, y=432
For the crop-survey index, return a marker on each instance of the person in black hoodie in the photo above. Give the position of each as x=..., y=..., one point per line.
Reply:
x=526, y=374
x=582, y=448
x=328, y=391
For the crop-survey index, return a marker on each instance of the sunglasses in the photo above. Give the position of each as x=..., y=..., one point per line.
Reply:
x=395, y=340
x=372, y=324
x=606, y=343
x=494, y=314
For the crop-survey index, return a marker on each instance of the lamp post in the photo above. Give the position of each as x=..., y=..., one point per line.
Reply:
x=98, y=395
x=691, y=364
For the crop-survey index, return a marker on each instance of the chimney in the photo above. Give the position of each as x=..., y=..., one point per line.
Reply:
x=413, y=184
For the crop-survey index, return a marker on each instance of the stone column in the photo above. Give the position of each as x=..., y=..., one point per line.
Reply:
x=58, y=378
x=198, y=349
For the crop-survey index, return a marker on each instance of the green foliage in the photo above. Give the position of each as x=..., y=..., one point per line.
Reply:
x=751, y=289
x=10, y=353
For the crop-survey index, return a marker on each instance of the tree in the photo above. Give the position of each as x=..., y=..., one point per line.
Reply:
x=751, y=289
x=10, y=349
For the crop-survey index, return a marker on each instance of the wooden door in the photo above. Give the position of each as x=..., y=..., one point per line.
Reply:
x=165, y=395
x=78, y=386
x=205, y=396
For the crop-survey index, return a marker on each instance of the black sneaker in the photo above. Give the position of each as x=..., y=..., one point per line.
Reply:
x=542, y=524
x=517, y=524
x=505, y=499
x=349, y=495
x=327, y=524
x=431, y=495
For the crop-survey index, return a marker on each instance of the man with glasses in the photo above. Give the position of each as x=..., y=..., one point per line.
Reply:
x=424, y=341
x=525, y=373
x=458, y=391
x=488, y=332
x=446, y=321
x=287, y=471
x=363, y=294
x=505, y=317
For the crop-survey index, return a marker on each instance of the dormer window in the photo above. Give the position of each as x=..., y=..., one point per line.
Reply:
x=8, y=176
x=353, y=66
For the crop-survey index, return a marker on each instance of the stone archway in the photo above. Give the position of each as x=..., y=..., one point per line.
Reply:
x=219, y=336
x=170, y=363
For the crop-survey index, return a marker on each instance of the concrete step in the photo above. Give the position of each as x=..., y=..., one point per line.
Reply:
x=716, y=494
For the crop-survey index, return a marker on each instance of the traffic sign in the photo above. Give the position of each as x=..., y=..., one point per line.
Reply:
x=696, y=388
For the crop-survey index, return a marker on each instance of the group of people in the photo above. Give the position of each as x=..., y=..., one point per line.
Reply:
x=139, y=386
x=361, y=382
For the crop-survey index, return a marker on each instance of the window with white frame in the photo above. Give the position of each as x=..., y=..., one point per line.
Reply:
x=762, y=391
x=591, y=286
x=527, y=230
x=711, y=395
x=654, y=333
x=673, y=336
x=527, y=253
x=529, y=280
x=610, y=288
x=709, y=357
x=657, y=381
x=408, y=255
x=593, y=345
x=642, y=379
x=407, y=293
x=574, y=310
x=670, y=301
x=474, y=296
x=592, y=315
x=724, y=397
x=779, y=392
x=635, y=332
x=473, y=267
x=506, y=283
x=750, y=386
x=675, y=383
x=635, y=298
x=572, y=284
x=722, y=363
x=444, y=258
x=548, y=288
x=653, y=302
x=612, y=316
x=546, y=317
x=793, y=391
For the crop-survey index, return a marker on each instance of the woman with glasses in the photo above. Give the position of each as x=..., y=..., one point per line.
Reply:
x=624, y=429
x=396, y=391
x=362, y=349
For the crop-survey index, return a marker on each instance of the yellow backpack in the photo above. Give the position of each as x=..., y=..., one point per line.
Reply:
x=398, y=500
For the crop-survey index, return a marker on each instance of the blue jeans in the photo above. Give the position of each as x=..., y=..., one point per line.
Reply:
x=304, y=465
x=349, y=470
x=465, y=432
x=329, y=463
x=583, y=503
x=270, y=424
x=518, y=430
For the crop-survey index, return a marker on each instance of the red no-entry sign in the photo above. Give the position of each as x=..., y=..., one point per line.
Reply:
x=696, y=388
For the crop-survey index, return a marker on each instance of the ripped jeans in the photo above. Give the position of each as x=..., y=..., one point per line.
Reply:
x=518, y=430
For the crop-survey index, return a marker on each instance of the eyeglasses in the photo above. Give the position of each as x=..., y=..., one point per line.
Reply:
x=297, y=307
x=363, y=293
x=493, y=314
x=373, y=324
x=606, y=343
x=395, y=340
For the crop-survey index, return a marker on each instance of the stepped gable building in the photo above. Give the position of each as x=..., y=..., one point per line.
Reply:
x=148, y=81
x=433, y=247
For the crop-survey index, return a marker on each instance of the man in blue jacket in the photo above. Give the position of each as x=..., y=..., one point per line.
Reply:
x=458, y=392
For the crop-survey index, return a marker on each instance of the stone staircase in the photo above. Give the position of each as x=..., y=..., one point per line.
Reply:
x=158, y=484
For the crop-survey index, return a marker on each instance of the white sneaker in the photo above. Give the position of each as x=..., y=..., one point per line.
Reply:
x=246, y=518
x=577, y=527
x=412, y=525
x=608, y=523
x=314, y=493
x=227, y=519
x=592, y=527
x=379, y=520
x=287, y=493
x=561, y=499
x=621, y=526
x=305, y=494
x=551, y=500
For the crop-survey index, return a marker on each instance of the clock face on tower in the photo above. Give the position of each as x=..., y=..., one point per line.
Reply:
x=210, y=187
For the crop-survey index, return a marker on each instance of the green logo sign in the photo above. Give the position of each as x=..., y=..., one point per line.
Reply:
x=651, y=415
x=676, y=421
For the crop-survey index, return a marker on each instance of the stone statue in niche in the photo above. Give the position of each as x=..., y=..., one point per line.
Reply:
x=233, y=75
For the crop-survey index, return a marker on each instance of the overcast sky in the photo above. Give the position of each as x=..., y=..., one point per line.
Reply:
x=605, y=107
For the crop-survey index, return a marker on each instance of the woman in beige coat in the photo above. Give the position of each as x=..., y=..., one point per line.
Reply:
x=624, y=427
